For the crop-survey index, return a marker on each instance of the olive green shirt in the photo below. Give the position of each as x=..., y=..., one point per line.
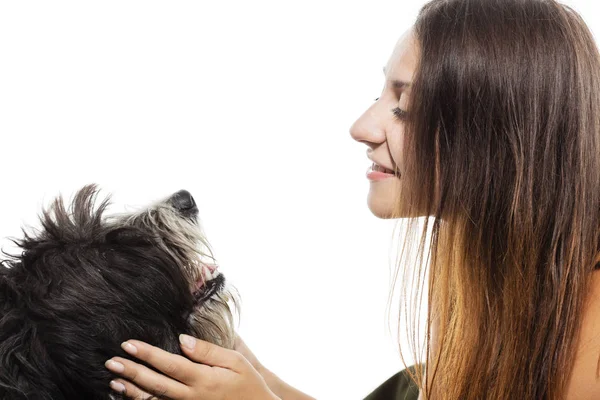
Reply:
x=398, y=387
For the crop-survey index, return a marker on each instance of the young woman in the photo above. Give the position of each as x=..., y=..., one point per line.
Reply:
x=488, y=124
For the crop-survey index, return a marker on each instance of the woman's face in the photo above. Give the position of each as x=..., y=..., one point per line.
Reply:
x=381, y=127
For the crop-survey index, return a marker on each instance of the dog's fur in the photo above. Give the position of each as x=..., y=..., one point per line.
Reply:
x=85, y=283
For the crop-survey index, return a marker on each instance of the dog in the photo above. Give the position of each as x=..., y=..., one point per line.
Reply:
x=84, y=283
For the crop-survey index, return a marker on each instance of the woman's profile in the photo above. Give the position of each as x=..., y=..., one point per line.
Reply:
x=489, y=125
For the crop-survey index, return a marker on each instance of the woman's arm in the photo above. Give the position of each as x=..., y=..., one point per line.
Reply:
x=277, y=386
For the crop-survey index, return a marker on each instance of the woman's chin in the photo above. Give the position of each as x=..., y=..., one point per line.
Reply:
x=382, y=201
x=381, y=205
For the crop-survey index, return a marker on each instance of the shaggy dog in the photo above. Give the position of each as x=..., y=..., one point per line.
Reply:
x=84, y=283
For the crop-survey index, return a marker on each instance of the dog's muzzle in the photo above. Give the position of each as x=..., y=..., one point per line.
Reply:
x=209, y=282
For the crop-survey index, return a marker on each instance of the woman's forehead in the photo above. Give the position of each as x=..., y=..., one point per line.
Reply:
x=403, y=61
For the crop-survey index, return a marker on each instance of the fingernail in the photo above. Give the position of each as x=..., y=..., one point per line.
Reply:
x=114, y=366
x=187, y=341
x=128, y=347
x=117, y=386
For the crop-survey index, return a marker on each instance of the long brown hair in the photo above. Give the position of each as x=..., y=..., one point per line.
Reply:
x=502, y=142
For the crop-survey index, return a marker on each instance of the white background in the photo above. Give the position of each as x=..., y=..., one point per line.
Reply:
x=247, y=104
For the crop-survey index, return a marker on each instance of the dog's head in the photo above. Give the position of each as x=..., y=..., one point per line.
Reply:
x=85, y=283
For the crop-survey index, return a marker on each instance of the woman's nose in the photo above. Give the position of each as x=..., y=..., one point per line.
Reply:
x=368, y=128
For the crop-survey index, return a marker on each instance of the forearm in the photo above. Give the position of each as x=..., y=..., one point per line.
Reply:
x=282, y=389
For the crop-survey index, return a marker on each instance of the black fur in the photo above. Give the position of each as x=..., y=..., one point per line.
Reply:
x=79, y=289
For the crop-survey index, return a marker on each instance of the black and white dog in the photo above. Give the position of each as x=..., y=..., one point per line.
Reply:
x=85, y=282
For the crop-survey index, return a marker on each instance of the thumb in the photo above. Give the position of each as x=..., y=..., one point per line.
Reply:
x=210, y=354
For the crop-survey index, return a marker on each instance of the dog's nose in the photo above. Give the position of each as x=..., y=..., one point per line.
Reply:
x=183, y=201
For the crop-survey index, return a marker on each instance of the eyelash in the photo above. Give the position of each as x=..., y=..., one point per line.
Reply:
x=398, y=113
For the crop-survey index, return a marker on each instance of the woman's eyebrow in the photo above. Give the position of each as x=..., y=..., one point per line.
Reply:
x=398, y=84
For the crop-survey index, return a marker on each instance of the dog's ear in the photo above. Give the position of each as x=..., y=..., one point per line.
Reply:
x=127, y=236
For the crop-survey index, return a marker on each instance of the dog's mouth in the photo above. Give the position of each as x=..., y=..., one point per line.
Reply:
x=210, y=283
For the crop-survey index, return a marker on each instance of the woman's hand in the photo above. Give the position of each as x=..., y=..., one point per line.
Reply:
x=217, y=373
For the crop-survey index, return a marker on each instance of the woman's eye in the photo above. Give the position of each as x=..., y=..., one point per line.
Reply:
x=400, y=114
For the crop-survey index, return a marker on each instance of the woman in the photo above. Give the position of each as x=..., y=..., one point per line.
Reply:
x=490, y=121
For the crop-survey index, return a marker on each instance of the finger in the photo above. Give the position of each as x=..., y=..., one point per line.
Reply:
x=172, y=365
x=147, y=379
x=211, y=354
x=129, y=390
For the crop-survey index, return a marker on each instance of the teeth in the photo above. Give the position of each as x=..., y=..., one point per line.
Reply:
x=379, y=168
x=208, y=275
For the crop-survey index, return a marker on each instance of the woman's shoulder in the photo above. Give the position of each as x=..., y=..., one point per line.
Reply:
x=398, y=387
